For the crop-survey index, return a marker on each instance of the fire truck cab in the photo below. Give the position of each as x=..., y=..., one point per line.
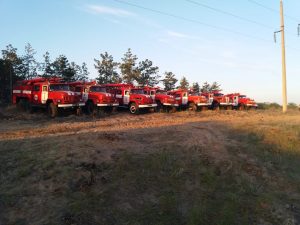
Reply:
x=197, y=102
x=242, y=102
x=164, y=101
x=131, y=97
x=95, y=96
x=181, y=96
x=51, y=94
x=218, y=100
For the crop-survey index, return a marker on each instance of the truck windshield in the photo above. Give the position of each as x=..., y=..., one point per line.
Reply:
x=161, y=92
x=97, y=89
x=242, y=96
x=194, y=94
x=218, y=94
x=138, y=91
x=59, y=87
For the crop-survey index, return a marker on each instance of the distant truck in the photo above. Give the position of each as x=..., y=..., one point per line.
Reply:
x=95, y=96
x=218, y=100
x=52, y=94
x=181, y=96
x=190, y=100
x=241, y=102
x=197, y=102
x=164, y=101
x=133, y=98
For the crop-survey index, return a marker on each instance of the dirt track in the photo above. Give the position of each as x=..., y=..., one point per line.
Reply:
x=182, y=128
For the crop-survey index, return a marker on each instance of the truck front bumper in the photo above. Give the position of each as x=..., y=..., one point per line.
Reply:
x=60, y=105
x=66, y=105
x=148, y=106
x=108, y=104
x=203, y=104
x=169, y=104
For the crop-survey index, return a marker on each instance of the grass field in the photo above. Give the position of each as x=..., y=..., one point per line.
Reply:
x=226, y=167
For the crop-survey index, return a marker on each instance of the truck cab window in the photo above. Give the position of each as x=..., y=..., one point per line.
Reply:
x=36, y=87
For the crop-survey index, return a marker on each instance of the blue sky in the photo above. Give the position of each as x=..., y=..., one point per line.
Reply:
x=227, y=41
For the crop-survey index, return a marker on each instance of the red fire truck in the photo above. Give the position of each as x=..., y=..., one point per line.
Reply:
x=95, y=96
x=218, y=100
x=181, y=96
x=197, y=102
x=241, y=102
x=52, y=94
x=164, y=101
x=131, y=97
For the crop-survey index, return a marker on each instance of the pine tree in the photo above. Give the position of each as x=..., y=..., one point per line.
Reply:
x=196, y=87
x=60, y=65
x=148, y=74
x=184, y=84
x=106, y=69
x=84, y=72
x=169, y=81
x=205, y=87
x=46, y=67
x=10, y=72
x=30, y=65
x=128, y=67
x=215, y=87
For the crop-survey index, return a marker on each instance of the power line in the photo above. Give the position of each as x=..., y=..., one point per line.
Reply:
x=229, y=14
x=235, y=16
x=192, y=20
x=273, y=10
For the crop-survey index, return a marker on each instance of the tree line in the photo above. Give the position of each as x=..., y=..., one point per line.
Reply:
x=14, y=67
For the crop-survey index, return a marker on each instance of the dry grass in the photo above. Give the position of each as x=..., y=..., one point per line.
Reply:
x=182, y=168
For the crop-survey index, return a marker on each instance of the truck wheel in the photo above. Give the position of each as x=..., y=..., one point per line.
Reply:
x=241, y=107
x=173, y=109
x=28, y=106
x=90, y=108
x=52, y=110
x=204, y=108
x=133, y=108
x=216, y=106
x=193, y=107
x=78, y=111
x=229, y=107
x=159, y=107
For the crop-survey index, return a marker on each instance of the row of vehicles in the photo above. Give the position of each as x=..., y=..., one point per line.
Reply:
x=55, y=95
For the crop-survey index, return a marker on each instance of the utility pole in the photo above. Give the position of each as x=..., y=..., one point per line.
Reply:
x=284, y=95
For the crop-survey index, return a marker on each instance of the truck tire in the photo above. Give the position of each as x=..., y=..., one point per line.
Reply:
x=216, y=106
x=52, y=110
x=90, y=108
x=20, y=105
x=193, y=107
x=241, y=107
x=159, y=107
x=133, y=108
x=78, y=111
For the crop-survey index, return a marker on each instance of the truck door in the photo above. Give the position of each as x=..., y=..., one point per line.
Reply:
x=210, y=98
x=126, y=97
x=85, y=94
x=184, y=98
x=236, y=100
x=152, y=94
x=44, y=94
x=36, y=94
x=227, y=99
